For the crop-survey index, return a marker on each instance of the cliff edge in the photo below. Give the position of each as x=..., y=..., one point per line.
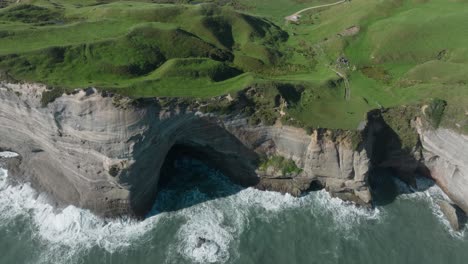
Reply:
x=92, y=151
x=110, y=154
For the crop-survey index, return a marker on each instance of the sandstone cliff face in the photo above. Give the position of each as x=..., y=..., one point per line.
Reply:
x=330, y=161
x=445, y=155
x=84, y=149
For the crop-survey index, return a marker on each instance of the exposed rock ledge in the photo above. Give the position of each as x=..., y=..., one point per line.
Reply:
x=84, y=150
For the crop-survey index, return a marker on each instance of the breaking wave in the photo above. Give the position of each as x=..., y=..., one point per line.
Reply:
x=209, y=231
x=65, y=232
x=429, y=192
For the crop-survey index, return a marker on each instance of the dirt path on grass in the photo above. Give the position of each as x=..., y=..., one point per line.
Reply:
x=321, y=53
x=295, y=17
x=346, y=82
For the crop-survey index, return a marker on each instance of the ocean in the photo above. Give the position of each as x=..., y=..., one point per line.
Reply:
x=201, y=217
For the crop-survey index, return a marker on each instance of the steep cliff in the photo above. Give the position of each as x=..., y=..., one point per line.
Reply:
x=109, y=154
x=410, y=146
x=445, y=155
x=104, y=154
x=326, y=157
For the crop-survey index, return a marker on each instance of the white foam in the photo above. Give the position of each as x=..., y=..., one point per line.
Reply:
x=428, y=191
x=345, y=214
x=268, y=201
x=221, y=222
x=209, y=232
x=8, y=154
x=206, y=223
x=68, y=232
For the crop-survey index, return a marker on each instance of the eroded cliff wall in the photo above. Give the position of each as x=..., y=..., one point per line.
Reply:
x=446, y=156
x=329, y=159
x=87, y=150
x=84, y=150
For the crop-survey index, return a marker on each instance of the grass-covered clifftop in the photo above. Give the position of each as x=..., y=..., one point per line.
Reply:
x=347, y=59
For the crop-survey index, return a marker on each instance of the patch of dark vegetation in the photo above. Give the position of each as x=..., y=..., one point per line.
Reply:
x=263, y=116
x=30, y=14
x=353, y=137
x=356, y=138
x=435, y=111
x=335, y=83
x=248, y=63
x=199, y=68
x=221, y=107
x=267, y=31
x=5, y=34
x=4, y=4
x=51, y=94
x=289, y=121
x=292, y=94
x=442, y=55
x=5, y=76
x=261, y=103
x=221, y=29
x=279, y=164
x=377, y=73
x=269, y=99
x=176, y=43
x=55, y=54
x=223, y=73
x=399, y=119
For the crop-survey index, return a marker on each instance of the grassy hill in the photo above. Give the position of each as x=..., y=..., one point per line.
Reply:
x=391, y=52
x=124, y=44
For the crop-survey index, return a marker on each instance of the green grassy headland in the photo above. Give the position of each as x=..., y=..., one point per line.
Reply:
x=394, y=52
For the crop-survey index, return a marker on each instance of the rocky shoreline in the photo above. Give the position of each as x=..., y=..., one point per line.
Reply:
x=89, y=150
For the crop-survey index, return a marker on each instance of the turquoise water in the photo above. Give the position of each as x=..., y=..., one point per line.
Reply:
x=203, y=218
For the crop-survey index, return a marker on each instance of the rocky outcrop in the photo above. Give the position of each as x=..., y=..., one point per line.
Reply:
x=454, y=215
x=96, y=152
x=324, y=156
x=439, y=154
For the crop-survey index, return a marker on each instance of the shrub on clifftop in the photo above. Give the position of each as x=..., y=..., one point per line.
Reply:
x=435, y=111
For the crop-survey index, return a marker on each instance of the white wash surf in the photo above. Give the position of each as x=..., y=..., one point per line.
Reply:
x=209, y=231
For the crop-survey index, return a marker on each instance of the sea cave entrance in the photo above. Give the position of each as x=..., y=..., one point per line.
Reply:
x=193, y=173
x=181, y=150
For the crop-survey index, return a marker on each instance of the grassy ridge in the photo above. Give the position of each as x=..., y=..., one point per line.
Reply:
x=122, y=45
x=405, y=51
